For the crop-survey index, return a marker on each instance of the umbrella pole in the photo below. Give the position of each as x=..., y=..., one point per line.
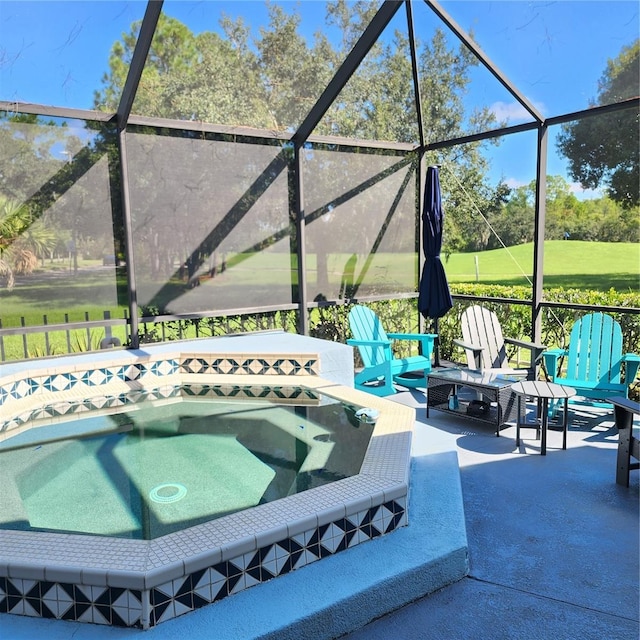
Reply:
x=436, y=345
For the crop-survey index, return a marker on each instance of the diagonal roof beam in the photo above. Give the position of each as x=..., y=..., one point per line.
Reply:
x=478, y=53
x=414, y=71
x=143, y=44
x=347, y=69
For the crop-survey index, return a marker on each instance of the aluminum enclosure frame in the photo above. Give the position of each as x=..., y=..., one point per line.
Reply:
x=304, y=134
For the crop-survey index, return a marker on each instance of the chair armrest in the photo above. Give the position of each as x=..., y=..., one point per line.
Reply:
x=628, y=405
x=368, y=343
x=412, y=336
x=467, y=345
x=555, y=353
x=632, y=362
x=551, y=357
x=536, y=349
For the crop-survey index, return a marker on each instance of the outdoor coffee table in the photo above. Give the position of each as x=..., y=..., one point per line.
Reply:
x=543, y=391
x=444, y=385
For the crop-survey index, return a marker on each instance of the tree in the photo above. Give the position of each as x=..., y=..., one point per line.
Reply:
x=605, y=149
x=272, y=82
x=26, y=153
x=598, y=220
x=22, y=240
x=172, y=53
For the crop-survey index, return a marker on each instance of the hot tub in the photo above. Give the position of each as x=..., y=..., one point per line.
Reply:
x=140, y=583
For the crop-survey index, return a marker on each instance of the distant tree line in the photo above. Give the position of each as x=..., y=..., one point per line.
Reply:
x=567, y=218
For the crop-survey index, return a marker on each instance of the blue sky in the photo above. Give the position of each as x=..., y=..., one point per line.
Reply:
x=56, y=52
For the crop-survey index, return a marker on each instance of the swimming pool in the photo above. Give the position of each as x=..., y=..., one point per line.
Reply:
x=174, y=457
x=141, y=583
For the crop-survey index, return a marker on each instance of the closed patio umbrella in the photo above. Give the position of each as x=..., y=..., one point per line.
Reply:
x=434, y=297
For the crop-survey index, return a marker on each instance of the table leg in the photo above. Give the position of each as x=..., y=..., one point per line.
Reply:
x=499, y=415
x=518, y=421
x=545, y=419
x=565, y=424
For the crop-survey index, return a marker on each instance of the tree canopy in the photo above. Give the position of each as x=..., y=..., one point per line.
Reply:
x=605, y=149
x=272, y=79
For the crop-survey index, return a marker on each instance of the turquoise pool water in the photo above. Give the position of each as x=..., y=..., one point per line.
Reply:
x=161, y=464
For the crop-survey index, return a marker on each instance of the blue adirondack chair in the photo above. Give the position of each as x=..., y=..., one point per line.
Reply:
x=381, y=368
x=594, y=359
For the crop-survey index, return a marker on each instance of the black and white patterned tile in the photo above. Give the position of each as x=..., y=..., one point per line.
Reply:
x=65, y=601
x=20, y=389
x=232, y=576
x=124, y=607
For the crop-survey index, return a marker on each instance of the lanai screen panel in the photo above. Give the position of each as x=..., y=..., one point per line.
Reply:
x=245, y=62
x=58, y=252
x=592, y=243
x=211, y=226
x=57, y=52
x=360, y=214
x=489, y=230
x=554, y=53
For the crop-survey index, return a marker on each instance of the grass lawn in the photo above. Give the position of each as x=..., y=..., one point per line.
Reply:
x=569, y=264
x=56, y=292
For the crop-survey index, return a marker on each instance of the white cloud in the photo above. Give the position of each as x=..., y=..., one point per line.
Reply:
x=512, y=111
x=514, y=183
x=585, y=194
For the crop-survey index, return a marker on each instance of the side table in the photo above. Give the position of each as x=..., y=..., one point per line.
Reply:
x=543, y=391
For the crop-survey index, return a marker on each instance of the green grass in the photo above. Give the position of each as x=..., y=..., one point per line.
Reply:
x=55, y=290
x=569, y=264
x=54, y=294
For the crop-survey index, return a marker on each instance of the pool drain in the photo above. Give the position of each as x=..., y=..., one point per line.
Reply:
x=168, y=492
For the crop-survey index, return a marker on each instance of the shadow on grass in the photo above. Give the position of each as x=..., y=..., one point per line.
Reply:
x=48, y=293
x=42, y=293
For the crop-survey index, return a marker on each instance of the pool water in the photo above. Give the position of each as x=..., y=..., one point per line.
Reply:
x=155, y=466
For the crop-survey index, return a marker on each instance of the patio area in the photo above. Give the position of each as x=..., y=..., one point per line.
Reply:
x=552, y=540
x=191, y=171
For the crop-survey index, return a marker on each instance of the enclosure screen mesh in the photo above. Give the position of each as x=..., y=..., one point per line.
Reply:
x=211, y=224
x=360, y=214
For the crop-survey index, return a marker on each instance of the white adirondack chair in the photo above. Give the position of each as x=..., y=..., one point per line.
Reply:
x=485, y=346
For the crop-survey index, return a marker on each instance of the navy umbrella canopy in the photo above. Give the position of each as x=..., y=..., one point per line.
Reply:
x=434, y=298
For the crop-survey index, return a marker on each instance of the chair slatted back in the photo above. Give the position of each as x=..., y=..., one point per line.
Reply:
x=595, y=349
x=365, y=325
x=481, y=327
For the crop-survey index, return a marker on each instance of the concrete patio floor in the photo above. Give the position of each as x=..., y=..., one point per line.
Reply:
x=553, y=540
